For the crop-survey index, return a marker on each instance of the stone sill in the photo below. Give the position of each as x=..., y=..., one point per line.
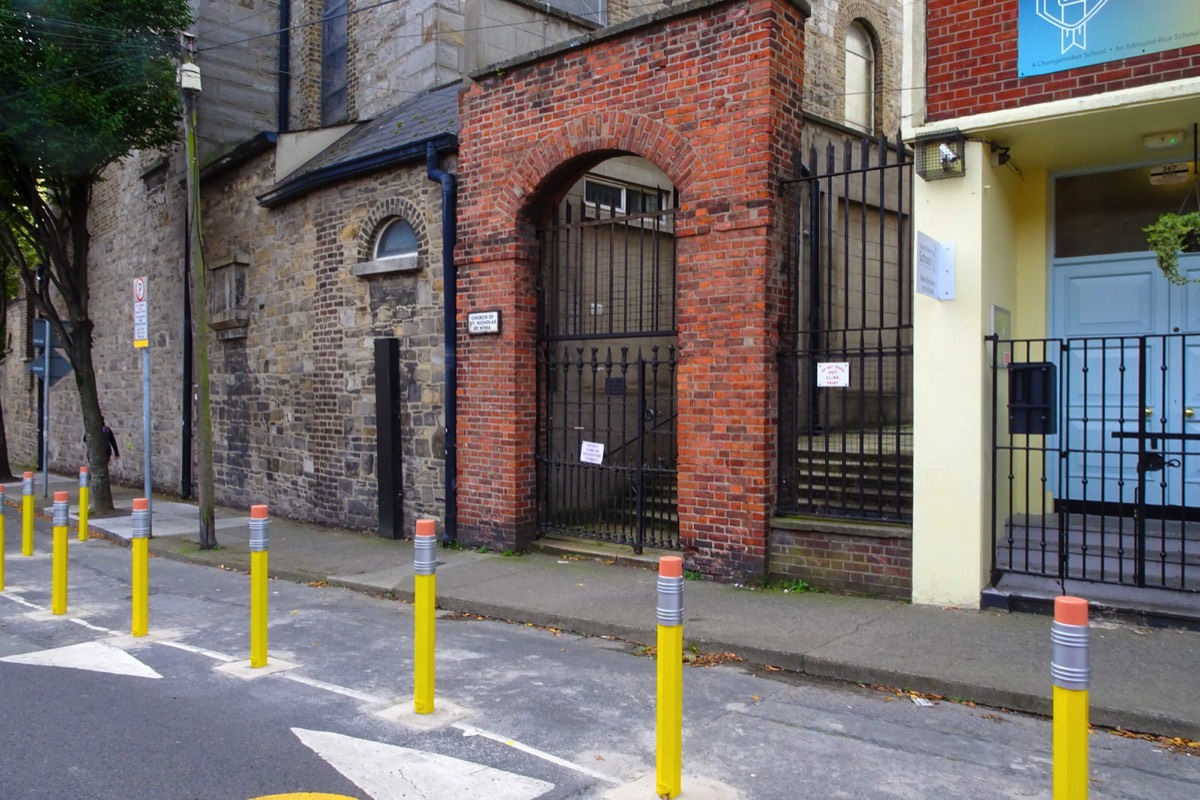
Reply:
x=385, y=266
x=861, y=528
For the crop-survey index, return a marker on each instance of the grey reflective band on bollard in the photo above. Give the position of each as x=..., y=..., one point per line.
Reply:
x=425, y=555
x=141, y=523
x=27, y=485
x=83, y=478
x=670, y=601
x=258, y=535
x=60, y=513
x=1069, y=661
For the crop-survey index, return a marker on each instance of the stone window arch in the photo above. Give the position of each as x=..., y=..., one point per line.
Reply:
x=392, y=239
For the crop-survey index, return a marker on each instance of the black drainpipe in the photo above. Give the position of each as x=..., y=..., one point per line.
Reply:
x=285, y=61
x=449, y=334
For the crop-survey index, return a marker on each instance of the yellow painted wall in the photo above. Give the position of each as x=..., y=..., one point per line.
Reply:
x=981, y=214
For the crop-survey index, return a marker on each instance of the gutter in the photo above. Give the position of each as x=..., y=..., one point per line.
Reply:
x=285, y=64
x=449, y=333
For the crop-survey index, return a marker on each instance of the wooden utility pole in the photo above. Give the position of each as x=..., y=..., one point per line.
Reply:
x=190, y=83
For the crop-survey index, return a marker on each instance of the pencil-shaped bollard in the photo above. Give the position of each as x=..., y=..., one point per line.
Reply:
x=1072, y=674
x=2, y=518
x=258, y=586
x=84, y=479
x=669, y=756
x=27, y=514
x=140, y=577
x=424, y=606
x=58, y=590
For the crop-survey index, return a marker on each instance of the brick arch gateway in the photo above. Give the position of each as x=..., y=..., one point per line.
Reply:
x=709, y=92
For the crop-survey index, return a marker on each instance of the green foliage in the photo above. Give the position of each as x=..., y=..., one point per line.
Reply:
x=1167, y=237
x=693, y=575
x=87, y=81
x=483, y=548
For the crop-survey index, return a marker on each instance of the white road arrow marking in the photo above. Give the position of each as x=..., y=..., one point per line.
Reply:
x=388, y=772
x=93, y=656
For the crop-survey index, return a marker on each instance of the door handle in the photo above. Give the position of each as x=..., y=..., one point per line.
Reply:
x=1149, y=412
x=1187, y=412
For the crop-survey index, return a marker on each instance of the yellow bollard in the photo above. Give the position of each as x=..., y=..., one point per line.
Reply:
x=2, y=518
x=27, y=514
x=669, y=738
x=424, y=607
x=58, y=590
x=1072, y=674
x=84, y=477
x=258, y=586
x=140, y=577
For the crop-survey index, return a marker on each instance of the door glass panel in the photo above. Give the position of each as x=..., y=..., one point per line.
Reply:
x=1105, y=213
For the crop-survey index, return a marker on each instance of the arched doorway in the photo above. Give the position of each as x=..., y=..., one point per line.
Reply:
x=607, y=347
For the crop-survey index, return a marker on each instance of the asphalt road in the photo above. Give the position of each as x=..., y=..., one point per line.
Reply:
x=522, y=712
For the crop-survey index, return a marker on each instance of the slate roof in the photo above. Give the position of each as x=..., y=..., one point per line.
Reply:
x=394, y=137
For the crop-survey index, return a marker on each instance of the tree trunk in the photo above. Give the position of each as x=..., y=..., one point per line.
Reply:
x=6, y=475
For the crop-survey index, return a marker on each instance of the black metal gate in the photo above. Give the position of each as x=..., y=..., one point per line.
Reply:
x=1096, y=459
x=606, y=447
x=845, y=443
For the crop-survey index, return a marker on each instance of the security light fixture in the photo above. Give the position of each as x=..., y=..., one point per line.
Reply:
x=940, y=155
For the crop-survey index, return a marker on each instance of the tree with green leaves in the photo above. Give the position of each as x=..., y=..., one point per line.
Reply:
x=83, y=83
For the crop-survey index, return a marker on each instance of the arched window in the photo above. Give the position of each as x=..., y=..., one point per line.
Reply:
x=397, y=239
x=860, y=78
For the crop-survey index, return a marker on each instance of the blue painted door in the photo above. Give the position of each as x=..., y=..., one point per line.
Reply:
x=1123, y=323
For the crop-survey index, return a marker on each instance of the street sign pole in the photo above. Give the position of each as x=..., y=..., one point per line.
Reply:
x=46, y=412
x=141, y=340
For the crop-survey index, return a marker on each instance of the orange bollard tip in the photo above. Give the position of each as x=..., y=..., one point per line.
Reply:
x=28, y=475
x=258, y=512
x=426, y=527
x=83, y=470
x=1071, y=610
x=670, y=567
x=61, y=497
x=141, y=504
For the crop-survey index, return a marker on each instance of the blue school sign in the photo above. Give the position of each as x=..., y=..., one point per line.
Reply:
x=1057, y=35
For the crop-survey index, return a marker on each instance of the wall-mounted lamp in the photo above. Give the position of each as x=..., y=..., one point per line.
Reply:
x=1163, y=140
x=940, y=155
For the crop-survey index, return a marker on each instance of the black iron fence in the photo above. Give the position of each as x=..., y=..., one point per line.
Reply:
x=845, y=439
x=1096, y=459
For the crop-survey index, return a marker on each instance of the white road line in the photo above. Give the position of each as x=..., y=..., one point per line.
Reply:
x=92, y=627
x=332, y=687
x=200, y=651
x=21, y=601
x=469, y=730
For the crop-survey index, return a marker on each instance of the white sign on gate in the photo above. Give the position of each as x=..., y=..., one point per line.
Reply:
x=591, y=452
x=141, y=315
x=833, y=374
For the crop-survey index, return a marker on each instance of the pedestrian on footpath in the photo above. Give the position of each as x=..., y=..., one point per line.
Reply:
x=110, y=441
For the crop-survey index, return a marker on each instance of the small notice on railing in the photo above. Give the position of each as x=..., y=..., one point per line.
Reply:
x=591, y=452
x=833, y=374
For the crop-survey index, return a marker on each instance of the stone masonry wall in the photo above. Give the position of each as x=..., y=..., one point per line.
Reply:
x=293, y=402
x=972, y=63
x=712, y=97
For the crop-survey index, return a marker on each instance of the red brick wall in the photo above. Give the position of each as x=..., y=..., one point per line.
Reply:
x=712, y=97
x=971, y=50
x=877, y=564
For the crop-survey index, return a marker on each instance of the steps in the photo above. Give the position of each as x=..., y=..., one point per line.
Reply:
x=855, y=485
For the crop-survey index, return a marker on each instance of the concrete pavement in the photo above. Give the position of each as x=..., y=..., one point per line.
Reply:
x=1143, y=679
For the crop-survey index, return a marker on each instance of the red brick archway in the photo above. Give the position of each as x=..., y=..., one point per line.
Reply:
x=711, y=95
